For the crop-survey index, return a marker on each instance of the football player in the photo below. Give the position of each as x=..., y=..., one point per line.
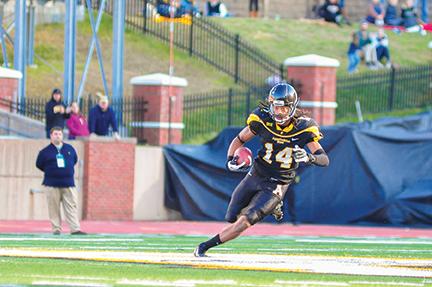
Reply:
x=284, y=131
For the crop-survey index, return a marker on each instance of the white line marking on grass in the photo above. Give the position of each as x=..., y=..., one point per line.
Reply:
x=153, y=283
x=353, y=265
x=70, y=239
x=172, y=247
x=347, y=249
x=386, y=283
x=366, y=241
x=319, y=283
x=66, y=277
x=59, y=283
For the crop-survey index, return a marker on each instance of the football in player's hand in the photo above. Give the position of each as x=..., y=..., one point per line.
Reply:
x=243, y=155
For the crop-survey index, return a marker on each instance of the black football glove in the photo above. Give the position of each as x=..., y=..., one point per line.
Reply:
x=231, y=165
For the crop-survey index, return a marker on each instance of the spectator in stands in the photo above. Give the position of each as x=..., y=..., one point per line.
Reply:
x=101, y=117
x=77, y=124
x=376, y=12
x=411, y=21
x=57, y=162
x=344, y=11
x=332, y=12
x=354, y=53
x=163, y=8
x=424, y=9
x=216, y=8
x=382, y=48
x=367, y=47
x=253, y=8
x=188, y=7
x=56, y=112
x=391, y=14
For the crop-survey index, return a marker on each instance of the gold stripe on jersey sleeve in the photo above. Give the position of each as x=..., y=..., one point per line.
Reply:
x=252, y=118
x=312, y=129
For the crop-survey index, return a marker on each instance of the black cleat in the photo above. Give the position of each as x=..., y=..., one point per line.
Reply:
x=200, y=251
x=277, y=211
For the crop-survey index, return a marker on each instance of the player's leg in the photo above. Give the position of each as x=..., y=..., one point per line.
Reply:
x=240, y=199
x=242, y=195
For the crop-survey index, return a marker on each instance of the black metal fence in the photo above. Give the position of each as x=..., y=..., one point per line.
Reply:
x=377, y=92
x=208, y=113
x=385, y=90
x=127, y=111
x=205, y=39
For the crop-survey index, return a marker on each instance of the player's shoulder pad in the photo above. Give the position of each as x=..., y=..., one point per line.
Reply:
x=258, y=115
x=307, y=124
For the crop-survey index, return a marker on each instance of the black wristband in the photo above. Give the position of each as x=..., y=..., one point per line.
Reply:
x=240, y=140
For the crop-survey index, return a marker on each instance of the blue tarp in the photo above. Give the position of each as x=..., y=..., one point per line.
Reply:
x=380, y=173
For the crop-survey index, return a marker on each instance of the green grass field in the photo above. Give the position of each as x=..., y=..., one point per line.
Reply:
x=107, y=260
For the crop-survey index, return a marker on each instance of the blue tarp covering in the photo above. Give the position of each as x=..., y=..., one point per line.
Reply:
x=380, y=173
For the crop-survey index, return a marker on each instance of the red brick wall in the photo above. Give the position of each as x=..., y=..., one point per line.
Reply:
x=318, y=84
x=158, y=110
x=108, y=179
x=8, y=91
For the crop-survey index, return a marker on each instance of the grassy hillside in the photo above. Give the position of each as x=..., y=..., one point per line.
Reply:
x=281, y=39
x=143, y=55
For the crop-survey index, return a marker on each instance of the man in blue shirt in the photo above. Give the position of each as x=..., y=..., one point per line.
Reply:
x=101, y=117
x=57, y=162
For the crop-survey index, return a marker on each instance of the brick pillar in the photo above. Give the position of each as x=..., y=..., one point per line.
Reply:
x=317, y=78
x=8, y=87
x=109, y=168
x=162, y=123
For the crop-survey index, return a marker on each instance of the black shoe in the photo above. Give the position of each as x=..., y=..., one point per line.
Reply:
x=57, y=232
x=200, y=251
x=79, y=232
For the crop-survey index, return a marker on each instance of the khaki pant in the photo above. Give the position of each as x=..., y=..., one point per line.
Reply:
x=68, y=196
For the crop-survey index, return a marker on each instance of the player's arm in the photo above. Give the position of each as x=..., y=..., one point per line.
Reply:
x=243, y=137
x=317, y=156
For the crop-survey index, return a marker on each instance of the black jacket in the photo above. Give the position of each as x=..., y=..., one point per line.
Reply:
x=54, y=119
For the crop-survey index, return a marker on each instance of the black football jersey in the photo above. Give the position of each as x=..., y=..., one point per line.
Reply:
x=275, y=155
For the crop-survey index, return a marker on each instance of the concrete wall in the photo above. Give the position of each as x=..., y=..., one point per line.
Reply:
x=12, y=124
x=149, y=186
x=19, y=175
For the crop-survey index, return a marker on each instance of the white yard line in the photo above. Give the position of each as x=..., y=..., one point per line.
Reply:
x=67, y=277
x=317, y=283
x=70, y=239
x=60, y=283
x=387, y=283
x=327, y=264
x=365, y=241
x=153, y=283
x=347, y=249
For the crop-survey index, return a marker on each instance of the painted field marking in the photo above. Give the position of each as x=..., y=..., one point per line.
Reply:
x=401, y=267
x=69, y=239
x=387, y=283
x=60, y=283
x=347, y=249
x=365, y=241
x=317, y=283
x=69, y=277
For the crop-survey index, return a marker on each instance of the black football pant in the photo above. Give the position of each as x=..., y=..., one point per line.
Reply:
x=255, y=197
